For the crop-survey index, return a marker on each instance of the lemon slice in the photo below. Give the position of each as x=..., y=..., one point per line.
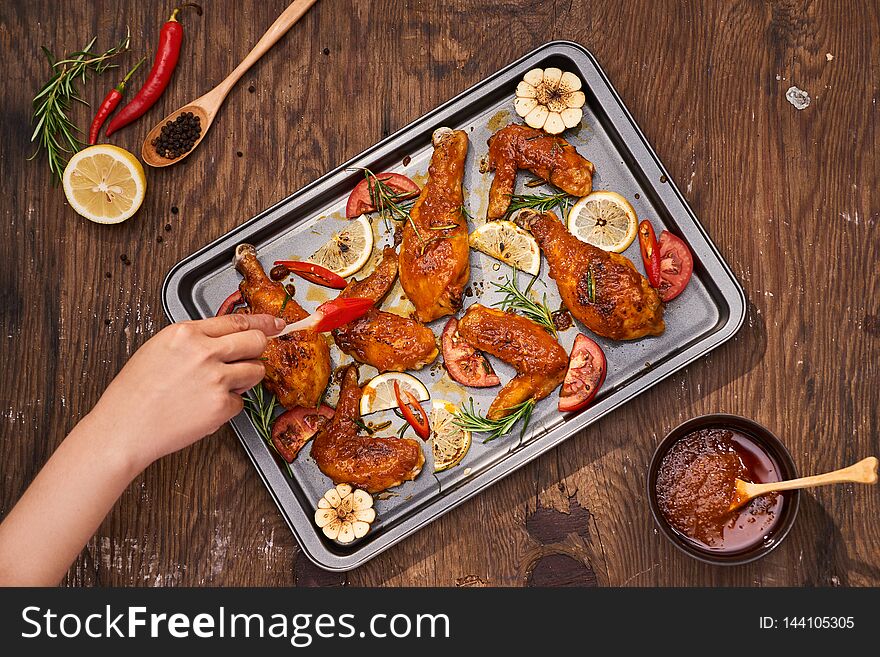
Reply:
x=509, y=243
x=348, y=250
x=104, y=184
x=604, y=219
x=378, y=393
x=449, y=443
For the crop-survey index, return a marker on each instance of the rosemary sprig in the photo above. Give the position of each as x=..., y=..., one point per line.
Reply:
x=540, y=202
x=391, y=205
x=54, y=131
x=521, y=301
x=469, y=420
x=260, y=407
x=591, y=285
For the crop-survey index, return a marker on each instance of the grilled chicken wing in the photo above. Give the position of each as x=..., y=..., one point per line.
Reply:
x=549, y=157
x=539, y=360
x=434, y=254
x=297, y=365
x=601, y=289
x=367, y=462
x=384, y=340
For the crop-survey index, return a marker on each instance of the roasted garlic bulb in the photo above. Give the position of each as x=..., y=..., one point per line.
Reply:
x=345, y=514
x=550, y=99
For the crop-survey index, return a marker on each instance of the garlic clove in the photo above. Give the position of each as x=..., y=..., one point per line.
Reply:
x=331, y=531
x=324, y=517
x=534, y=77
x=576, y=99
x=346, y=533
x=332, y=497
x=552, y=76
x=570, y=81
x=365, y=515
x=362, y=500
x=324, y=504
x=360, y=528
x=537, y=117
x=554, y=123
x=571, y=116
x=525, y=90
x=524, y=105
x=343, y=490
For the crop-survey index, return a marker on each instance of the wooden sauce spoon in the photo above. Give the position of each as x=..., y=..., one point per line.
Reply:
x=206, y=106
x=863, y=472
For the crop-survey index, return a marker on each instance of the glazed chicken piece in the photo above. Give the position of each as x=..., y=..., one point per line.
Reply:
x=549, y=157
x=384, y=340
x=539, y=360
x=369, y=462
x=434, y=255
x=601, y=289
x=298, y=364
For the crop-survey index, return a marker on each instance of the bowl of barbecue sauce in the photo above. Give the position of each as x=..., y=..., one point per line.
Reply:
x=691, y=484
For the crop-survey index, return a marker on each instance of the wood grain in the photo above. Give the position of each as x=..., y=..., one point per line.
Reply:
x=785, y=194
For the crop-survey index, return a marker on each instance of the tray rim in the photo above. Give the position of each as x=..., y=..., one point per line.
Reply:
x=264, y=463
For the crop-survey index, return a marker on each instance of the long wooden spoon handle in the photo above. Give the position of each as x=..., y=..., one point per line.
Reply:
x=863, y=472
x=278, y=29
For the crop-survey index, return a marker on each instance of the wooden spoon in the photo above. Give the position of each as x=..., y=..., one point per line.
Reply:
x=863, y=472
x=206, y=107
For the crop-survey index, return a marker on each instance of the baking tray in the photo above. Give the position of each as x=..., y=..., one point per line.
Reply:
x=708, y=312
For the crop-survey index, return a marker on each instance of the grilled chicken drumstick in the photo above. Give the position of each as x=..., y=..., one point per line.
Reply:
x=384, y=340
x=434, y=254
x=549, y=157
x=369, y=462
x=601, y=289
x=539, y=360
x=297, y=365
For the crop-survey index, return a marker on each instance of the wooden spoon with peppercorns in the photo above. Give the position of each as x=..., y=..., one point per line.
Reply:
x=184, y=134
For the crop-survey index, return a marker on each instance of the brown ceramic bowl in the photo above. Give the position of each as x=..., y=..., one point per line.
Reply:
x=765, y=440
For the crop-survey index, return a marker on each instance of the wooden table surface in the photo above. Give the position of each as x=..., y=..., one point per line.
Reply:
x=786, y=195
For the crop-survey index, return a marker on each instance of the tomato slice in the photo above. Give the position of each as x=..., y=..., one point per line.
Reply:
x=585, y=375
x=676, y=266
x=464, y=363
x=314, y=273
x=294, y=428
x=229, y=304
x=650, y=252
x=360, y=201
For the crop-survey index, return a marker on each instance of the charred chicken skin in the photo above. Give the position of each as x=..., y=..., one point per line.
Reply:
x=298, y=364
x=384, y=340
x=549, y=157
x=434, y=254
x=368, y=462
x=601, y=289
x=539, y=360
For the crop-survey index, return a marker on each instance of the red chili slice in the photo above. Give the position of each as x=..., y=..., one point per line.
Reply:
x=676, y=266
x=294, y=428
x=228, y=306
x=464, y=363
x=314, y=273
x=650, y=252
x=585, y=375
x=361, y=202
x=420, y=424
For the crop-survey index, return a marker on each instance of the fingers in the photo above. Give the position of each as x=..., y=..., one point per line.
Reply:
x=245, y=345
x=216, y=327
x=243, y=375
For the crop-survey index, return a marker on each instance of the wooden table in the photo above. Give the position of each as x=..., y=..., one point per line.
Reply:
x=785, y=194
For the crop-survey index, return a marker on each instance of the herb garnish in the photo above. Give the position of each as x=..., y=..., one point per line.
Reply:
x=54, y=132
x=391, y=205
x=522, y=302
x=469, y=420
x=540, y=202
x=260, y=407
x=591, y=285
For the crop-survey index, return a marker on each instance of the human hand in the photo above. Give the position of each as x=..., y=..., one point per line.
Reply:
x=182, y=384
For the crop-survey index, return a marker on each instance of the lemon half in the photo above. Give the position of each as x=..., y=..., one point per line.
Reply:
x=378, y=394
x=509, y=243
x=449, y=443
x=104, y=183
x=604, y=219
x=348, y=250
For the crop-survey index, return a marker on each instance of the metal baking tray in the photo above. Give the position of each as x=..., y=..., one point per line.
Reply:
x=709, y=312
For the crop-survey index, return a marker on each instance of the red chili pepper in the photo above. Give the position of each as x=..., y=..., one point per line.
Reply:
x=170, y=39
x=314, y=273
x=420, y=424
x=228, y=306
x=650, y=252
x=110, y=102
